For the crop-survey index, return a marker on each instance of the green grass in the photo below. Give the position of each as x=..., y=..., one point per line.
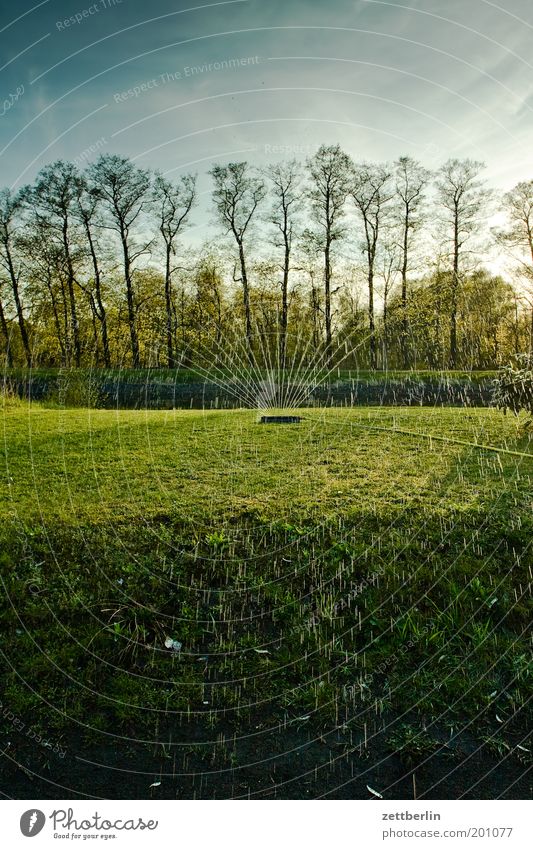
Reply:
x=378, y=558
x=80, y=465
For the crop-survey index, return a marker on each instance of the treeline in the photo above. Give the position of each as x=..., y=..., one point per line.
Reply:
x=331, y=261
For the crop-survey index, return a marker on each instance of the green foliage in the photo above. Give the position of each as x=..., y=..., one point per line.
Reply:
x=513, y=389
x=74, y=388
x=82, y=301
x=9, y=398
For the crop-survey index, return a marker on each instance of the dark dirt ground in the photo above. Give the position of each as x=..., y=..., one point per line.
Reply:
x=294, y=762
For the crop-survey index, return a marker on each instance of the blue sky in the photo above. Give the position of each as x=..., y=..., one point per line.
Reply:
x=179, y=85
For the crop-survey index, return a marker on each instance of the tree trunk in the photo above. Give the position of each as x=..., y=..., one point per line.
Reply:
x=101, y=311
x=284, y=318
x=315, y=309
x=5, y=331
x=327, y=299
x=455, y=290
x=74, y=322
x=385, y=334
x=94, y=315
x=72, y=298
x=57, y=322
x=18, y=305
x=130, y=301
x=371, y=319
x=168, y=306
x=405, y=322
x=246, y=299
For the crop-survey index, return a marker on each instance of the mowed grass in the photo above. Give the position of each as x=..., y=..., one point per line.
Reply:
x=366, y=572
x=99, y=465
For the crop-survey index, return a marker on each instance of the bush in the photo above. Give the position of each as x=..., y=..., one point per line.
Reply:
x=9, y=396
x=513, y=388
x=75, y=389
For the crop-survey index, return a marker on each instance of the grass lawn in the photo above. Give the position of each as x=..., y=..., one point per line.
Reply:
x=98, y=466
x=360, y=579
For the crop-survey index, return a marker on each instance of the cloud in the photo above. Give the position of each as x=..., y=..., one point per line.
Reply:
x=382, y=78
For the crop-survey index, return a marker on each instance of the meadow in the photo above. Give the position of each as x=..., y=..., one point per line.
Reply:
x=215, y=607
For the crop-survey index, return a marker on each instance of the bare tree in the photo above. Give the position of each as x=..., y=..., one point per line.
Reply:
x=518, y=236
x=286, y=181
x=77, y=272
x=389, y=268
x=88, y=209
x=371, y=192
x=10, y=209
x=53, y=199
x=462, y=198
x=237, y=193
x=173, y=204
x=124, y=189
x=309, y=259
x=46, y=279
x=411, y=181
x=330, y=171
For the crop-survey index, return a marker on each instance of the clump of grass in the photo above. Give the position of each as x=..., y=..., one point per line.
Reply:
x=74, y=388
x=9, y=397
x=412, y=745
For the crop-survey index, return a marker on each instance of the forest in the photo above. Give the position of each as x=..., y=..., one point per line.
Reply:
x=365, y=265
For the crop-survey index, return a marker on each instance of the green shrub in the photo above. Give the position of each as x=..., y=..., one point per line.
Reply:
x=8, y=396
x=74, y=389
x=513, y=388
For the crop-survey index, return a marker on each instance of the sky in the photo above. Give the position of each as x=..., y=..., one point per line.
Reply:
x=179, y=84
